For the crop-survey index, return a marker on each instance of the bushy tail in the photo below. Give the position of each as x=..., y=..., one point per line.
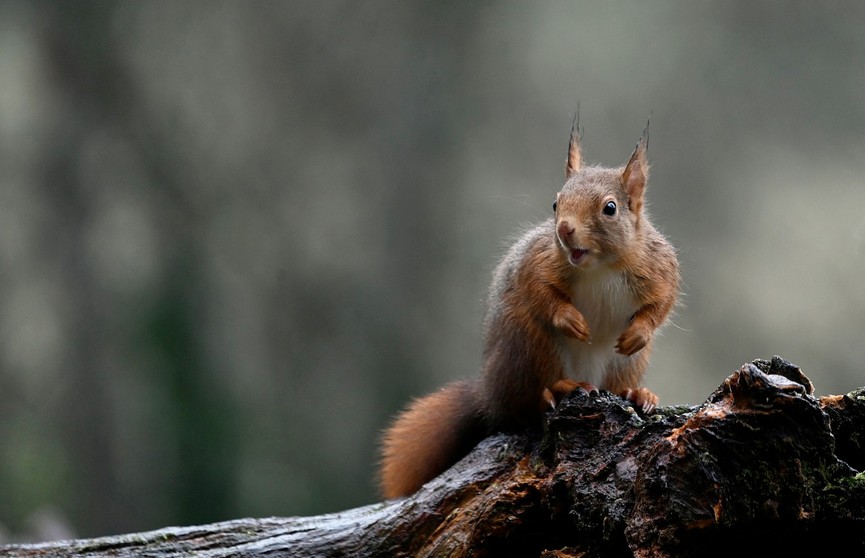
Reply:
x=434, y=432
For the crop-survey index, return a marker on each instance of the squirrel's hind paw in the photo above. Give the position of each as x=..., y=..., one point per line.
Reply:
x=553, y=394
x=642, y=398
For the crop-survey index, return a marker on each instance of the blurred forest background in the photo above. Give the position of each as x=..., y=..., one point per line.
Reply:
x=235, y=238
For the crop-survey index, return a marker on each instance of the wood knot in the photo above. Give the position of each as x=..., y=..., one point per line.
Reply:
x=763, y=385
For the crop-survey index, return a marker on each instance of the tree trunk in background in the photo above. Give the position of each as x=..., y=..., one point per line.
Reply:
x=761, y=467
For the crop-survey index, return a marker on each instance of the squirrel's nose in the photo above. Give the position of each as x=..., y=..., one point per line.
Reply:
x=565, y=229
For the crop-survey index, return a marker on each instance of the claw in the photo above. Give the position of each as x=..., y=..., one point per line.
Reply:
x=549, y=398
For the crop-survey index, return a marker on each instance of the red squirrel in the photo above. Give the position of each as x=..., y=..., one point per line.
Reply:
x=574, y=303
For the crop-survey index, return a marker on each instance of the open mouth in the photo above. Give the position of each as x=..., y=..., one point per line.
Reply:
x=577, y=255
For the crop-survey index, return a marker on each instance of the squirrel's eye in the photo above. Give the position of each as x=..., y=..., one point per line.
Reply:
x=555, y=204
x=610, y=208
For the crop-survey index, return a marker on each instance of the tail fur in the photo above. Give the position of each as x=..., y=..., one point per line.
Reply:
x=430, y=436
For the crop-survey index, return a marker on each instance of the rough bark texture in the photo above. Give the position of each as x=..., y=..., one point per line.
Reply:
x=761, y=467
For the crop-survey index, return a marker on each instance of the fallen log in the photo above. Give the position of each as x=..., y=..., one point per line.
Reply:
x=762, y=466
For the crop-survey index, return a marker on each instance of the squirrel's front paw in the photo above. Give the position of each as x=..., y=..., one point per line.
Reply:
x=572, y=323
x=634, y=338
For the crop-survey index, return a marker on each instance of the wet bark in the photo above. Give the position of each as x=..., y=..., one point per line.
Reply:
x=761, y=467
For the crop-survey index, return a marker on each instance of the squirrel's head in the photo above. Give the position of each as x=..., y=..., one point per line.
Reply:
x=598, y=212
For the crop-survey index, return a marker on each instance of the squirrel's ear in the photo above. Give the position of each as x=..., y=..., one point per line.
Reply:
x=575, y=158
x=636, y=174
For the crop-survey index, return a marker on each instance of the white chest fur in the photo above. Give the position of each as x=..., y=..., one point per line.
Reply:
x=607, y=303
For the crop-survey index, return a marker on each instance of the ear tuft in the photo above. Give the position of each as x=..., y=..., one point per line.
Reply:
x=636, y=173
x=575, y=157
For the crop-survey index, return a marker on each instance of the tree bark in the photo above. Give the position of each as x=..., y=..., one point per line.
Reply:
x=761, y=467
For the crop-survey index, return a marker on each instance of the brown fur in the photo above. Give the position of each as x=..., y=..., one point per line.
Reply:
x=625, y=278
x=432, y=434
